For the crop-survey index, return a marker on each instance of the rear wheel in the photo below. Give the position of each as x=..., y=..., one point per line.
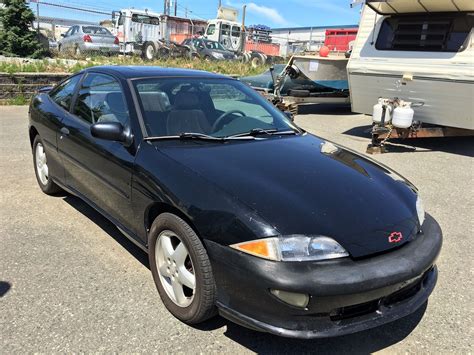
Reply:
x=40, y=161
x=181, y=270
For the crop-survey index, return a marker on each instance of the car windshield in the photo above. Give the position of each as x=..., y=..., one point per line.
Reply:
x=213, y=45
x=95, y=30
x=212, y=106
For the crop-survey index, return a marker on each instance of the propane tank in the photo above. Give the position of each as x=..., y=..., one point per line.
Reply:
x=378, y=111
x=403, y=115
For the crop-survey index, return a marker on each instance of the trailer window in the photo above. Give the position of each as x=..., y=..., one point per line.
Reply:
x=145, y=19
x=433, y=33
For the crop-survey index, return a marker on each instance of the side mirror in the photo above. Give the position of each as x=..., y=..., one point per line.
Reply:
x=112, y=131
x=63, y=35
x=289, y=115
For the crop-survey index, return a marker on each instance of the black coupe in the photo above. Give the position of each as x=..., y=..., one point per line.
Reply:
x=240, y=211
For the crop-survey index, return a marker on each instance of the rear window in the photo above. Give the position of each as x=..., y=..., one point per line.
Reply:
x=94, y=30
x=434, y=33
x=148, y=20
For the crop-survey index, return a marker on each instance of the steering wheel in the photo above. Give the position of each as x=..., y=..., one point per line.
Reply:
x=224, y=115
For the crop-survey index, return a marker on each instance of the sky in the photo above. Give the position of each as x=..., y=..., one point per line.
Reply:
x=273, y=13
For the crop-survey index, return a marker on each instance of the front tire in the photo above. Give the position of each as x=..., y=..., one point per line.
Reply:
x=149, y=51
x=40, y=161
x=181, y=270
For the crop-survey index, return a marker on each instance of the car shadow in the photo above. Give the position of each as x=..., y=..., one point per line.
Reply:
x=361, y=343
x=454, y=145
x=108, y=227
x=326, y=109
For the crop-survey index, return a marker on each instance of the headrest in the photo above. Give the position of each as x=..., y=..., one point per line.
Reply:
x=116, y=102
x=186, y=101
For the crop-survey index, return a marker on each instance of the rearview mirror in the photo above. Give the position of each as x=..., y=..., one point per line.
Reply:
x=112, y=131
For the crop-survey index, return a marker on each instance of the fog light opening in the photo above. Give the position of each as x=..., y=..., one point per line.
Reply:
x=299, y=300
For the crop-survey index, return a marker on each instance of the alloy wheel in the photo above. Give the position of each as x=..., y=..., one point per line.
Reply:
x=41, y=164
x=175, y=268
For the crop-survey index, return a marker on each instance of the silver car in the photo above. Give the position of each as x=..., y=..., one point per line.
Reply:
x=84, y=39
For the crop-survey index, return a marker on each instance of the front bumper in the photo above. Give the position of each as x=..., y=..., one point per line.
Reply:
x=346, y=295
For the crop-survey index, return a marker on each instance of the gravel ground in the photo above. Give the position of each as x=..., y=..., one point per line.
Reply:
x=72, y=283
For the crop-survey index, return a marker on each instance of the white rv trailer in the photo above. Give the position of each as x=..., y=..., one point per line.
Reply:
x=420, y=51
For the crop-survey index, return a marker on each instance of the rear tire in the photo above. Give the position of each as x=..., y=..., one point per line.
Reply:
x=189, y=302
x=40, y=161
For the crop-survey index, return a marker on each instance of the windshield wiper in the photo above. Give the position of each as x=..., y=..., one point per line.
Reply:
x=260, y=131
x=185, y=135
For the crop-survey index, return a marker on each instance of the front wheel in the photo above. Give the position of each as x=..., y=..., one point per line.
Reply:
x=41, y=168
x=148, y=51
x=181, y=270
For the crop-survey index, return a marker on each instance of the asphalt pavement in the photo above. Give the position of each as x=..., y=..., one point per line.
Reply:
x=71, y=282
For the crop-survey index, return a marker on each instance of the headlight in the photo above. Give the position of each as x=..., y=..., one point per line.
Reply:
x=420, y=210
x=293, y=248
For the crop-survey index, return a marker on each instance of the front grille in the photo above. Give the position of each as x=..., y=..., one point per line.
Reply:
x=354, y=311
x=362, y=309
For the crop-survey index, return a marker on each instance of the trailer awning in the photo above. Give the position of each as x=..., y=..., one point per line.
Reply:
x=391, y=7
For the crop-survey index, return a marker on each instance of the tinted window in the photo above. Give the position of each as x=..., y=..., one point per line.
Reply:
x=176, y=105
x=101, y=99
x=436, y=33
x=63, y=93
x=211, y=29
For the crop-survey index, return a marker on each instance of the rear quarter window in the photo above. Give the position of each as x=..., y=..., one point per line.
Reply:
x=431, y=33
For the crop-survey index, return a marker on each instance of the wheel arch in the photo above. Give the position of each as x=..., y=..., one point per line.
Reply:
x=33, y=132
x=158, y=208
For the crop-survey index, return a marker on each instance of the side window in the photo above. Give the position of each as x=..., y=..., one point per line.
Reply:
x=225, y=29
x=74, y=30
x=62, y=94
x=433, y=33
x=211, y=29
x=235, y=31
x=101, y=99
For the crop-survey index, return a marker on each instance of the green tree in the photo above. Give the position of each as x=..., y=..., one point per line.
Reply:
x=16, y=38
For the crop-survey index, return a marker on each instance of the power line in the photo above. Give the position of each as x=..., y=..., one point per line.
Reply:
x=72, y=7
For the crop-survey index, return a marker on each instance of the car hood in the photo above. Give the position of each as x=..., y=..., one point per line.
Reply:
x=305, y=185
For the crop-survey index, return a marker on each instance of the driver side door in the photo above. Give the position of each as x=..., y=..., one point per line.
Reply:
x=99, y=170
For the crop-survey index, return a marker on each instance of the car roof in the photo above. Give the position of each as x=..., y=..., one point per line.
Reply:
x=136, y=71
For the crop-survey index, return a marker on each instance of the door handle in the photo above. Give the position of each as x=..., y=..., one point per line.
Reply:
x=64, y=131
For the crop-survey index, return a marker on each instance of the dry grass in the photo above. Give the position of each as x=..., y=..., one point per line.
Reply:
x=60, y=65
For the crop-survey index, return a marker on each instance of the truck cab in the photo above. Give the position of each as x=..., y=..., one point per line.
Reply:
x=139, y=31
x=226, y=30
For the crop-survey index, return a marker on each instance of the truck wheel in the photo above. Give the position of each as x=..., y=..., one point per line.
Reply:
x=256, y=62
x=148, y=52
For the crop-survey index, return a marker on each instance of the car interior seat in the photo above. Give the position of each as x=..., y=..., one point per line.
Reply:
x=186, y=115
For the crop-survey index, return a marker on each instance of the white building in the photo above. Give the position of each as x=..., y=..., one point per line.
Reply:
x=298, y=39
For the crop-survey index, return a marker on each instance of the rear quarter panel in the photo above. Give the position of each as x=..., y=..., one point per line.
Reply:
x=45, y=119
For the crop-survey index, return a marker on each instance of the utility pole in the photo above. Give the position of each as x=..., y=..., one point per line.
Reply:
x=175, y=7
x=186, y=11
x=219, y=4
x=38, y=17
